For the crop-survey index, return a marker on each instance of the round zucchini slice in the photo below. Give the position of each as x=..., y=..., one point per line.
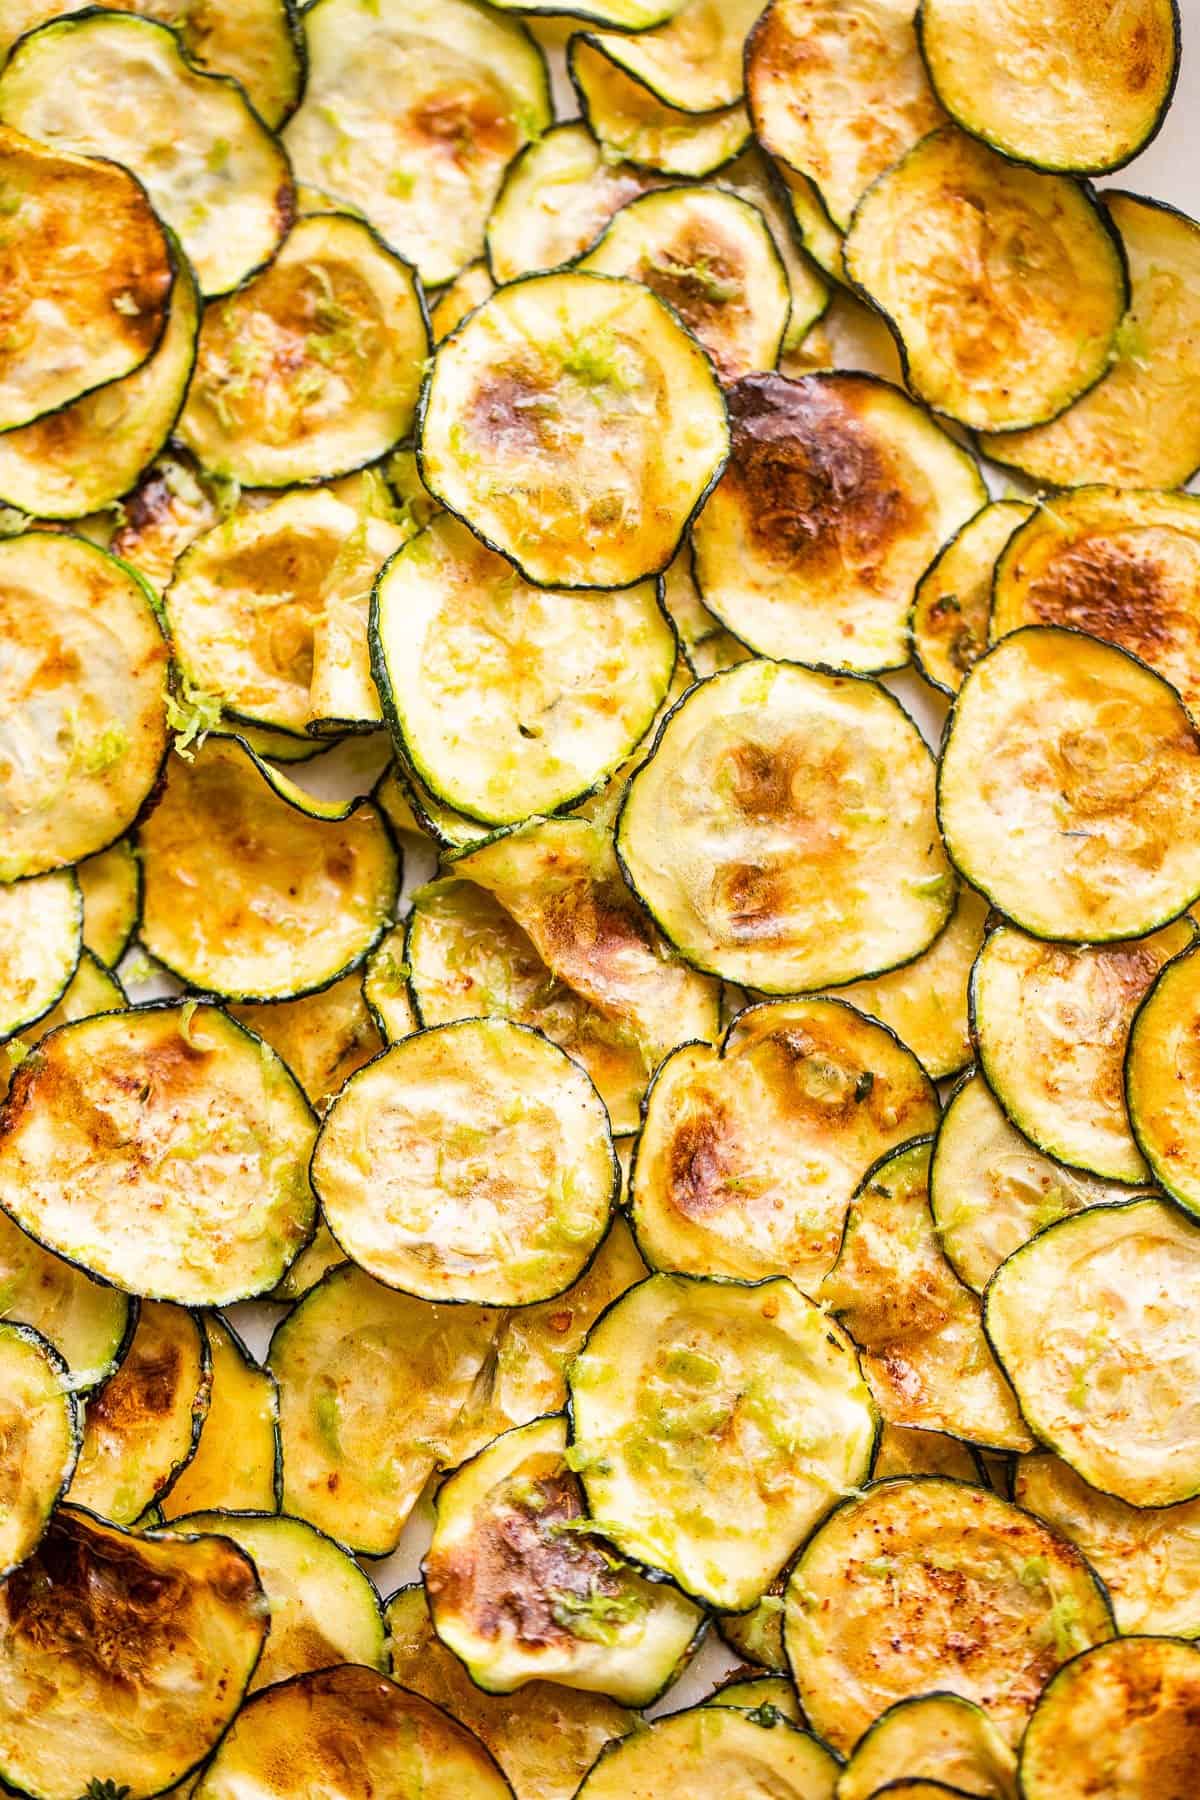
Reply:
x=1158, y=1075
x=630, y=121
x=249, y=895
x=200, y=1115
x=917, y=1327
x=41, y=936
x=323, y=1038
x=940, y=1739
x=40, y=1428
x=926, y=1584
x=82, y=701
x=603, y=415
x=820, y=237
x=519, y=1588
x=235, y=1464
x=761, y=1694
x=737, y=836
x=749, y=1154
x=757, y=1636
x=88, y=1325
x=948, y=625
x=111, y=884
x=139, y=1650
x=557, y=197
x=472, y=1162
x=694, y=60
x=112, y=85
x=711, y=1752
x=839, y=491
x=1129, y=1713
x=1069, y=788
x=1094, y=1323
x=690, y=1401
x=313, y=368
x=909, y=1450
x=92, y=989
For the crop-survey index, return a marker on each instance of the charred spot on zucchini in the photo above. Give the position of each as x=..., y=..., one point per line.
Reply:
x=1158, y=1066
x=712, y=1751
x=948, y=624
x=41, y=936
x=631, y=122
x=111, y=884
x=1135, y=1701
x=40, y=1427
x=937, y=1738
x=235, y=1465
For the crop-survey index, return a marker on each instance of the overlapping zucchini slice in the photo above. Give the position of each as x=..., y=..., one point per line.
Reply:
x=1158, y=1078
x=324, y=1037
x=557, y=198
x=753, y=177
x=759, y=1694
x=111, y=884
x=940, y=1739
x=41, y=936
x=1127, y=1710
x=709, y=1752
x=40, y=1428
x=89, y=1325
x=236, y=1462
x=630, y=121
x=911, y=1450
x=948, y=625
x=694, y=59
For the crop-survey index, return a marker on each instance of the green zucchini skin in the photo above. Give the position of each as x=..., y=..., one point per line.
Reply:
x=22, y=1344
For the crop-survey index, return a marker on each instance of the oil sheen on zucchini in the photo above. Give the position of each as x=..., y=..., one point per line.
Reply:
x=630, y=121
x=939, y=1737
x=1128, y=1710
x=710, y=1752
x=236, y=1462
x=40, y=1428
x=948, y=624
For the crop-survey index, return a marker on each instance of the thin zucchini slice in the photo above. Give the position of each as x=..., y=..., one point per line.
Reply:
x=1094, y=1322
x=694, y=60
x=754, y=178
x=557, y=197
x=519, y=1589
x=917, y=1327
x=469, y=1163
x=41, y=936
x=323, y=1038
x=688, y=1403
x=1158, y=1076
x=1127, y=1713
x=749, y=1154
x=40, y=1429
x=92, y=989
x=925, y=1584
x=138, y=1649
x=1052, y=1024
x=385, y=994
x=603, y=415
x=818, y=233
x=87, y=1324
x=630, y=122
x=313, y=368
x=839, y=491
x=937, y=1738
x=955, y=233
x=694, y=624
x=202, y=1116
x=737, y=837
x=948, y=625
x=1069, y=788
x=235, y=1465
x=111, y=884
x=167, y=510
x=112, y=85
x=460, y=297
x=424, y=172
x=909, y=1450
x=848, y=335
x=247, y=895
x=83, y=727
x=757, y=1636
x=710, y=1752
x=622, y=15
x=319, y=1255
x=762, y=1694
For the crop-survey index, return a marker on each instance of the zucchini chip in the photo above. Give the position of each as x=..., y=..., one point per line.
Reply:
x=738, y=836
x=41, y=936
x=838, y=493
x=1129, y=1713
x=124, y=1653
x=749, y=1154
x=909, y=1450
x=112, y=85
x=1158, y=1080
x=926, y=1584
x=754, y=178
x=249, y=895
x=603, y=415
x=557, y=197
x=757, y=1636
x=994, y=333
x=92, y=989
x=820, y=237
x=1138, y=427
x=323, y=1038
x=1069, y=788
x=200, y=1115
x=87, y=1324
x=319, y=1255
x=111, y=884
x=460, y=297
x=424, y=170
x=508, y=700
x=848, y=335
x=622, y=15
x=168, y=509
x=83, y=725
x=520, y=1589
x=630, y=122
x=937, y=1738
x=694, y=60
x=916, y=1325
x=948, y=625
x=762, y=1694
x=688, y=1403
x=472, y=1162
x=313, y=368
x=40, y=1427
x=710, y=1753
x=1094, y=1323
x=235, y=1464
x=1052, y=1025
x=385, y=993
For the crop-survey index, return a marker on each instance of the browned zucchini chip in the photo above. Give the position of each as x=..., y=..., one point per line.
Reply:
x=757, y=1636
x=711, y=1752
x=755, y=178
x=235, y=1465
x=630, y=121
x=939, y=1741
x=168, y=509
x=323, y=1038
x=460, y=297
x=911, y=1450
x=848, y=335
x=1128, y=1711
x=823, y=241
x=1158, y=1080
x=948, y=625
x=41, y=927
x=557, y=197
x=88, y=1324
x=694, y=60
x=40, y=1429
x=111, y=884
x=92, y=989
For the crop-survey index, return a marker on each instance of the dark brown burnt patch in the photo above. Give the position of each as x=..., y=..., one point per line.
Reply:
x=702, y=1164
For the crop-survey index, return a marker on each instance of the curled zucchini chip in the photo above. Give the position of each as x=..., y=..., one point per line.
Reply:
x=88, y=1325
x=916, y=1325
x=948, y=625
x=945, y=236
x=472, y=1162
x=235, y=1464
x=460, y=297
x=1158, y=1077
x=1094, y=1322
x=926, y=1584
x=909, y=1450
x=385, y=993
x=313, y=368
x=123, y=1653
x=248, y=895
x=1069, y=788
x=40, y=1429
x=424, y=170
x=940, y=1739
x=630, y=121
x=762, y=1694
x=838, y=493
x=92, y=989
x=557, y=197
x=508, y=700
x=111, y=884
x=83, y=728
x=41, y=936
x=710, y=1752
x=694, y=60
x=112, y=85
x=820, y=237
x=688, y=1402
x=603, y=415
x=749, y=1154
x=323, y=1038
x=1129, y=1709
x=737, y=836
x=199, y=1114
x=167, y=510
x=519, y=1588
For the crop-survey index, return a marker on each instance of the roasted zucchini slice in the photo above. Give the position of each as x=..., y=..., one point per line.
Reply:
x=848, y=335
x=922, y=1584
x=138, y=1649
x=41, y=936
x=689, y=1402
x=83, y=725
x=319, y=1255
x=759, y=1694
x=604, y=415
x=111, y=884
x=711, y=1752
x=385, y=992
x=629, y=121
x=323, y=1037
x=1069, y=788
x=1158, y=1077
x=820, y=237
x=938, y=1738
x=955, y=233
x=113, y=85
x=737, y=836
x=202, y=1116
x=692, y=61
x=40, y=1430
x=909, y=1450
x=557, y=197
x=838, y=493
x=948, y=625
x=92, y=989
x=472, y=1162
x=89, y=1325
x=236, y=1462
x=424, y=172
x=749, y=1154
x=1094, y=1323
x=459, y=298
x=757, y=1636
x=753, y=177
x=168, y=509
